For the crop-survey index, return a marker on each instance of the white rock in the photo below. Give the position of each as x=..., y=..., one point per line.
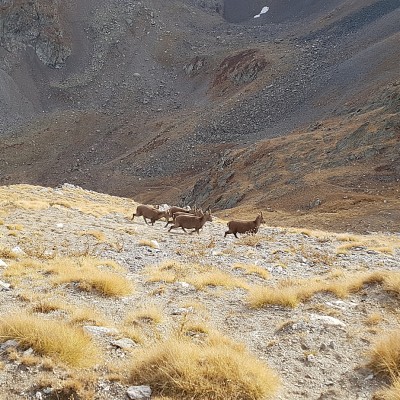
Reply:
x=2, y=263
x=7, y=344
x=155, y=244
x=139, y=392
x=4, y=285
x=60, y=225
x=99, y=329
x=327, y=320
x=17, y=250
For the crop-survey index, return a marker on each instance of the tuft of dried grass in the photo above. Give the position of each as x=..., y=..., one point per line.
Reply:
x=91, y=274
x=214, y=370
x=51, y=338
x=100, y=236
x=289, y=293
x=252, y=269
x=149, y=314
x=7, y=253
x=198, y=275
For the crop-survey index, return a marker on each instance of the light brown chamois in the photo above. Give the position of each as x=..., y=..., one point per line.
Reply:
x=185, y=221
x=149, y=212
x=237, y=226
x=198, y=212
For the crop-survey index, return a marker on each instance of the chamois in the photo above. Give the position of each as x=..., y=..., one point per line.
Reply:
x=237, y=226
x=191, y=222
x=149, y=212
x=174, y=214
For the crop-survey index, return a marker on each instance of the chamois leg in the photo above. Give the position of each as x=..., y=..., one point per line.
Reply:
x=235, y=235
x=152, y=221
x=173, y=227
x=145, y=220
x=133, y=216
x=184, y=230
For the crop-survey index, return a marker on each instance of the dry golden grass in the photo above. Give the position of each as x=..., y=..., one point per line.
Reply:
x=100, y=236
x=373, y=319
x=197, y=275
x=384, y=357
x=290, y=293
x=51, y=338
x=14, y=227
x=85, y=315
x=46, y=306
x=345, y=248
x=7, y=253
x=217, y=278
x=214, y=370
x=390, y=393
x=149, y=314
x=252, y=269
x=77, y=199
x=91, y=274
x=250, y=240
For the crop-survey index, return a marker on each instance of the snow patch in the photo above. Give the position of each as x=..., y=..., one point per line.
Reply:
x=263, y=11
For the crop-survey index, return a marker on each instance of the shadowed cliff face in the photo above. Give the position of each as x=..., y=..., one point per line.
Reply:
x=34, y=24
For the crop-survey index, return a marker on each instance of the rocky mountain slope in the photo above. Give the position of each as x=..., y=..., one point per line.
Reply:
x=74, y=258
x=148, y=98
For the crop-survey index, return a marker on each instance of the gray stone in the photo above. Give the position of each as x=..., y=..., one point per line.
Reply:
x=124, y=343
x=7, y=344
x=139, y=392
x=99, y=329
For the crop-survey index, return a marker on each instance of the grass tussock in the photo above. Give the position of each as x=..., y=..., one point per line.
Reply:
x=214, y=370
x=390, y=393
x=150, y=314
x=50, y=338
x=7, y=253
x=15, y=227
x=252, y=269
x=98, y=235
x=289, y=293
x=250, y=240
x=89, y=273
x=384, y=357
x=198, y=275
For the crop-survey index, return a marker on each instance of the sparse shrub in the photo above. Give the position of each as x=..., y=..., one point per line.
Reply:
x=52, y=338
x=214, y=370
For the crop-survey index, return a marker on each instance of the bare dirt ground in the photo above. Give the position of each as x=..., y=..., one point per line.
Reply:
x=319, y=347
